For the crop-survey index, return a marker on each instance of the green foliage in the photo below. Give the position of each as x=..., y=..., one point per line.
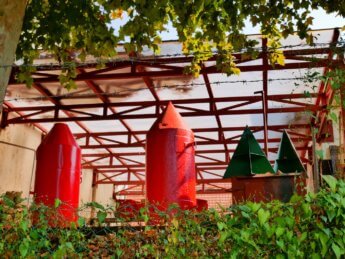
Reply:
x=311, y=226
x=71, y=30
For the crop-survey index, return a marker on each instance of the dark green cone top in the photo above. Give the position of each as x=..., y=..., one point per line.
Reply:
x=288, y=160
x=248, y=158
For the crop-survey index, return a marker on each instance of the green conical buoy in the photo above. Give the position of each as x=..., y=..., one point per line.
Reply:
x=248, y=158
x=288, y=160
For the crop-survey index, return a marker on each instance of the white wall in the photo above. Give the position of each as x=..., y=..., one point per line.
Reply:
x=103, y=193
x=17, y=162
x=85, y=195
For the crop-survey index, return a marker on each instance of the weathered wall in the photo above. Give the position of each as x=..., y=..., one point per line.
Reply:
x=17, y=158
x=102, y=193
x=85, y=195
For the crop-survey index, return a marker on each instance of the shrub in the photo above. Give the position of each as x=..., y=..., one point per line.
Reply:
x=306, y=227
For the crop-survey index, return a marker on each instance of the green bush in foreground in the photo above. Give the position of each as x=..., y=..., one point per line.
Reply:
x=306, y=227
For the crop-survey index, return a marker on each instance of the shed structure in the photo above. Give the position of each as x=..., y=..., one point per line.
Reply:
x=113, y=107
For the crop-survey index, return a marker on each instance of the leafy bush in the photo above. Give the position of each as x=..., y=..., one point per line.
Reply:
x=306, y=227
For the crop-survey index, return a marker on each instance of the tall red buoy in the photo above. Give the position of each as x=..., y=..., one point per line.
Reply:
x=58, y=172
x=170, y=164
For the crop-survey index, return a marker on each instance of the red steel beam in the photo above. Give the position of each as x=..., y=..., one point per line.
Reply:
x=199, y=143
x=118, y=64
x=197, y=152
x=10, y=106
x=197, y=130
x=19, y=120
x=146, y=104
x=178, y=73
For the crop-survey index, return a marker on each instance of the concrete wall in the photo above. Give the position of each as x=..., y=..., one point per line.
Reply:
x=102, y=193
x=85, y=194
x=17, y=158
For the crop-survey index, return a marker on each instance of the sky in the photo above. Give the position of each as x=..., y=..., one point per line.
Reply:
x=322, y=20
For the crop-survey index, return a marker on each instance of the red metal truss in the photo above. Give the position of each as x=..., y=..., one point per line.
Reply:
x=87, y=76
x=79, y=112
x=118, y=157
x=179, y=72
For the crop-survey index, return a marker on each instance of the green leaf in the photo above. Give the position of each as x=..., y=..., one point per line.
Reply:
x=221, y=225
x=281, y=244
x=146, y=218
x=337, y=251
x=296, y=198
x=307, y=94
x=331, y=181
x=81, y=222
x=324, y=240
x=303, y=236
x=333, y=116
x=101, y=215
x=254, y=206
x=319, y=153
x=245, y=235
x=57, y=203
x=118, y=252
x=24, y=247
x=223, y=236
x=263, y=216
x=95, y=205
x=24, y=225
x=175, y=222
x=315, y=256
x=279, y=231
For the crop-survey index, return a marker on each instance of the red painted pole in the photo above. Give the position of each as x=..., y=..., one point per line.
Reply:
x=58, y=173
x=170, y=164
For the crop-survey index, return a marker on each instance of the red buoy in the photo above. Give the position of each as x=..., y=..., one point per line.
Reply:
x=58, y=173
x=170, y=164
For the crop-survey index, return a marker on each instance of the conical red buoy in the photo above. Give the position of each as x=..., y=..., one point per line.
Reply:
x=58, y=173
x=170, y=164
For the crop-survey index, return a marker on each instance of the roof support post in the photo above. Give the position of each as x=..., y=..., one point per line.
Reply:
x=264, y=92
x=94, y=177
